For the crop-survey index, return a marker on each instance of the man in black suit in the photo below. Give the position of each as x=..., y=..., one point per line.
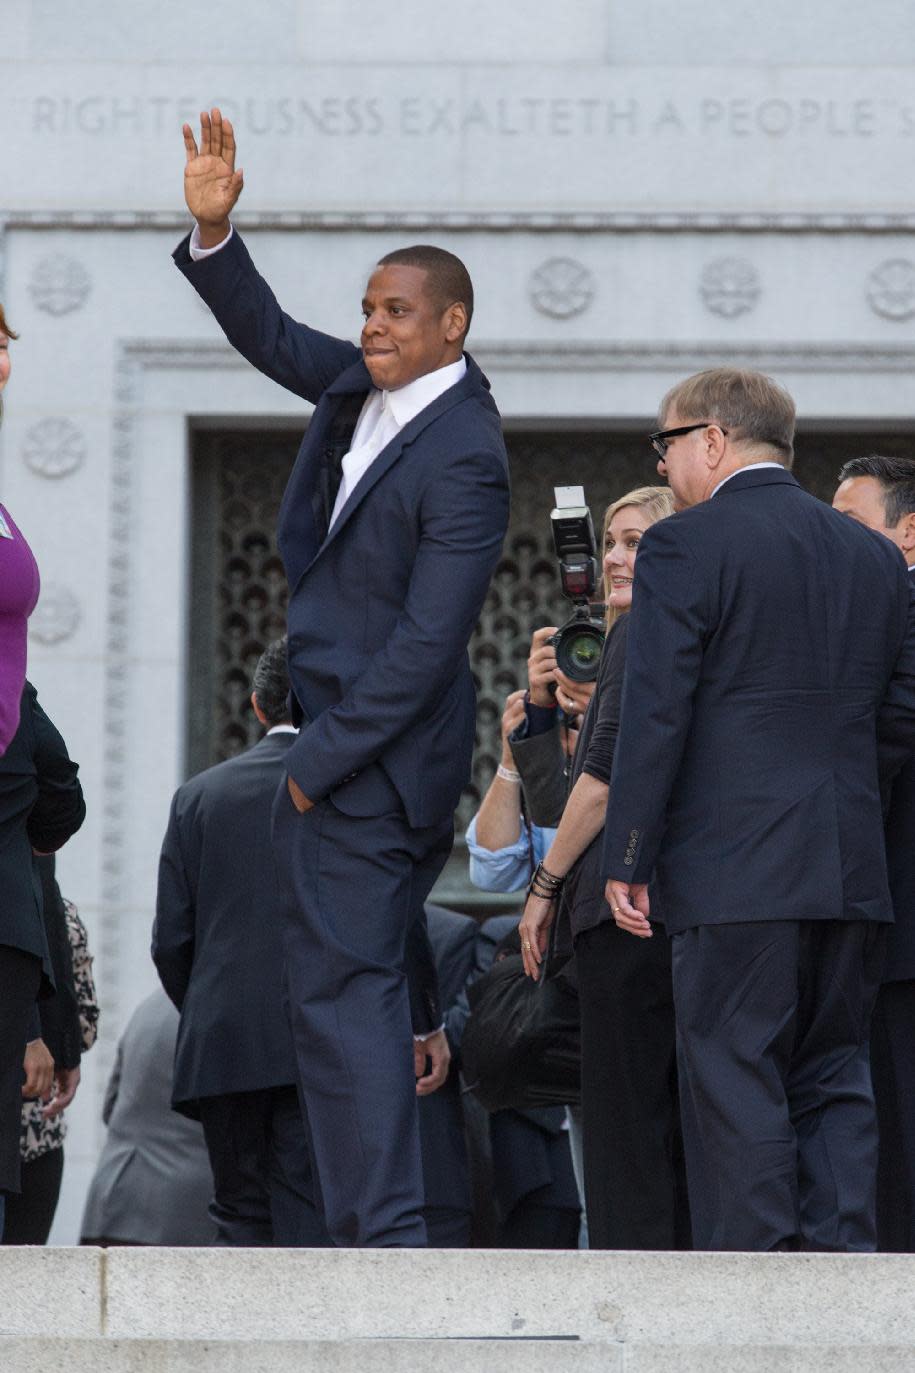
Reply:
x=880, y=492
x=771, y=646
x=390, y=528
x=217, y=945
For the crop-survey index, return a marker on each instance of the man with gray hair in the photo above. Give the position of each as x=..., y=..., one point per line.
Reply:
x=880, y=493
x=771, y=658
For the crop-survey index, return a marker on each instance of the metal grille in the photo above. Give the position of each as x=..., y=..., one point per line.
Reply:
x=239, y=589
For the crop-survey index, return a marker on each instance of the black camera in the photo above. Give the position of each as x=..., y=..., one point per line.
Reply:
x=579, y=642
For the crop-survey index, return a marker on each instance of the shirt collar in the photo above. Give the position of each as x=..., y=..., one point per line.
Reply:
x=281, y=729
x=406, y=402
x=750, y=467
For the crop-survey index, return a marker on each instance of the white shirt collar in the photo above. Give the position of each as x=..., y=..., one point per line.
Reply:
x=281, y=729
x=750, y=467
x=406, y=402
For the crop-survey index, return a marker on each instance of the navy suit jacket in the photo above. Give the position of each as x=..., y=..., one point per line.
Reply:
x=217, y=938
x=381, y=610
x=771, y=645
x=900, y=856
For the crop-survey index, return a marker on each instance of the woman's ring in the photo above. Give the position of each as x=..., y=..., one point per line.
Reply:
x=526, y=945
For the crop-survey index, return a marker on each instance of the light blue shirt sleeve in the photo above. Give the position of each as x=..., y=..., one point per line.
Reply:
x=506, y=869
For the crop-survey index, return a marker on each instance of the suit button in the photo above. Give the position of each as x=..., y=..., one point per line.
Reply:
x=628, y=861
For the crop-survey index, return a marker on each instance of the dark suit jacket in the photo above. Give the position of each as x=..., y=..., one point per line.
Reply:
x=41, y=806
x=217, y=940
x=900, y=855
x=770, y=641
x=441, y=1115
x=152, y=1183
x=59, y=1014
x=381, y=611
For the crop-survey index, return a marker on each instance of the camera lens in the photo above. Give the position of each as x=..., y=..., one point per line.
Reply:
x=578, y=652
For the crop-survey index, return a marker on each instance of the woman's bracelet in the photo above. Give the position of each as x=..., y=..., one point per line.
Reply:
x=545, y=884
x=508, y=774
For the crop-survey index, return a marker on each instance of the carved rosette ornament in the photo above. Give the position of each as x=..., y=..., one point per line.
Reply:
x=561, y=287
x=54, y=448
x=56, y=615
x=59, y=284
x=891, y=289
x=729, y=286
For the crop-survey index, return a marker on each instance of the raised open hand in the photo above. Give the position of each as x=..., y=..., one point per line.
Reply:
x=211, y=183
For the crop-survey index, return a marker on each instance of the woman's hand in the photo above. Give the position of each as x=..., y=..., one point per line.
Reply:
x=574, y=697
x=512, y=716
x=539, y=914
x=541, y=666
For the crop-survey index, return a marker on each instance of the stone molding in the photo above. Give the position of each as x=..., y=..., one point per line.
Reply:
x=494, y=220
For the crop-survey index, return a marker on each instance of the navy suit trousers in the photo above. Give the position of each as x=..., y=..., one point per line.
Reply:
x=352, y=886
x=892, y=1043
x=779, y=1126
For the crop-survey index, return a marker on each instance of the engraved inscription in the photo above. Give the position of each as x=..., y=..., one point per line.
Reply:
x=54, y=448
x=729, y=286
x=891, y=289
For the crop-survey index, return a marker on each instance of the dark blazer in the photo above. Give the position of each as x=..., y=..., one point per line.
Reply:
x=152, y=1183
x=441, y=1115
x=900, y=857
x=381, y=611
x=770, y=641
x=61, y=1029
x=217, y=940
x=41, y=806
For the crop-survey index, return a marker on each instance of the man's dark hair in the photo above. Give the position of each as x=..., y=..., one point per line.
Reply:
x=448, y=279
x=271, y=683
x=897, y=478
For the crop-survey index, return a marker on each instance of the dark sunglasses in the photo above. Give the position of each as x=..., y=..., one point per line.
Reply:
x=660, y=441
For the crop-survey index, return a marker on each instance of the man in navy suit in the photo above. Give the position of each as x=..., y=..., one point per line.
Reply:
x=217, y=947
x=390, y=529
x=880, y=492
x=771, y=649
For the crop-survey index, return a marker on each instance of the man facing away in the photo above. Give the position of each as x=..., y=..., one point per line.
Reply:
x=771, y=649
x=390, y=528
x=217, y=946
x=880, y=492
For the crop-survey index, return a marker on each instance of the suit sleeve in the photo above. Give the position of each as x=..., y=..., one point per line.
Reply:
x=60, y=809
x=464, y=516
x=175, y=923
x=665, y=644
x=896, y=719
x=301, y=359
x=422, y=979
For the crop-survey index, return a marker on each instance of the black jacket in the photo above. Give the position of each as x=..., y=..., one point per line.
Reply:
x=217, y=940
x=770, y=680
x=900, y=857
x=41, y=806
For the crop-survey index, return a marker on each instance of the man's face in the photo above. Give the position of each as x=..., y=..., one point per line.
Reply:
x=406, y=333
x=862, y=498
x=683, y=464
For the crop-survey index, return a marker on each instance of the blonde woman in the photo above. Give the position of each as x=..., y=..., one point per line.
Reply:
x=634, y=1185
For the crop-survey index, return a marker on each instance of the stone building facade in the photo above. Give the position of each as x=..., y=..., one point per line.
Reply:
x=638, y=190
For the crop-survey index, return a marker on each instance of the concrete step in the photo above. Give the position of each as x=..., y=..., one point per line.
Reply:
x=149, y=1309
x=38, y=1354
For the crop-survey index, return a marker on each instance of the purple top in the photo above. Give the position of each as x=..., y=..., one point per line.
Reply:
x=19, y=586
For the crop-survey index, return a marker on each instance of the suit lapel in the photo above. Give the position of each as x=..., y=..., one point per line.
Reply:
x=471, y=383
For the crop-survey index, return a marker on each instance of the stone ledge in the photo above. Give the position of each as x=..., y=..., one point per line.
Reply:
x=50, y=1289
x=608, y=1298
x=307, y=1356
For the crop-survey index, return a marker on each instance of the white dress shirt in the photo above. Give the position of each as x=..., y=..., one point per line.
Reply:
x=384, y=413
x=750, y=467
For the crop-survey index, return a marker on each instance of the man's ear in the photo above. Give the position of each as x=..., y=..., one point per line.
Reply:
x=257, y=710
x=715, y=444
x=455, y=322
x=907, y=543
